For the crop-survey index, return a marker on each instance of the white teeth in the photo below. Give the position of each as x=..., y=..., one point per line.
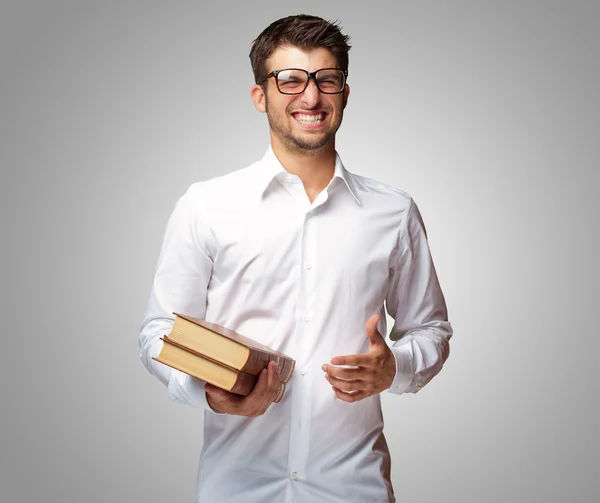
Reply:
x=310, y=119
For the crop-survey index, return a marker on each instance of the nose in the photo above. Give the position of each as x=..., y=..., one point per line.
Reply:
x=310, y=96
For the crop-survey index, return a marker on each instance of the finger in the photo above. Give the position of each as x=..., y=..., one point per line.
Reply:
x=275, y=383
x=268, y=394
x=261, y=385
x=371, y=329
x=349, y=397
x=344, y=385
x=344, y=372
x=351, y=360
x=262, y=390
x=269, y=376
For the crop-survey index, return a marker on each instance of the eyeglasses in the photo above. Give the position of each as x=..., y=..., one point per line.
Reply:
x=295, y=80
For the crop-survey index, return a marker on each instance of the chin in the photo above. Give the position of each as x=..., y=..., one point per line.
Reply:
x=309, y=146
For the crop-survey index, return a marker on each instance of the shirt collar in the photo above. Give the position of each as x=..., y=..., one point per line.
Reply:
x=271, y=167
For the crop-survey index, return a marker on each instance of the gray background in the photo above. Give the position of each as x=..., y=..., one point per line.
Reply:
x=489, y=119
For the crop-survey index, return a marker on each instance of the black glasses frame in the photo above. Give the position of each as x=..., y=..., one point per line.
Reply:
x=313, y=75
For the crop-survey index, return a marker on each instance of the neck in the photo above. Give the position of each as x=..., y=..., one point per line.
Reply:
x=314, y=167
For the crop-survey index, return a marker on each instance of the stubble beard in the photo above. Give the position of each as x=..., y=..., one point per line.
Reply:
x=302, y=145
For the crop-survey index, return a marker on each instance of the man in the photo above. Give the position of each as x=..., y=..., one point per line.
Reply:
x=300, y=254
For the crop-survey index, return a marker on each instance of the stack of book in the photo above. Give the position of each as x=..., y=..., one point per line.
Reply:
x=220, y=356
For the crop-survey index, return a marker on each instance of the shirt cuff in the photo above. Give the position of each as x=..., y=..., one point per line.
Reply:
x=404, y=370
x=187, y=389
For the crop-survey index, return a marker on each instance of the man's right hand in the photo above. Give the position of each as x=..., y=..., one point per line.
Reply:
x=255, y=403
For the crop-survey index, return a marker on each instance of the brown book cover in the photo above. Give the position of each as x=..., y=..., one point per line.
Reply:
x=196, y=365
x=259, y=354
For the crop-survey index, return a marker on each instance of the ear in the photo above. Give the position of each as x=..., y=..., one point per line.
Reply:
x=346, y=94
x=258, y=98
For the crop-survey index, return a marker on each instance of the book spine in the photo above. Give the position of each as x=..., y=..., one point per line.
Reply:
x=257, y=360
x=288, y=370
x=281, y=391
x=285, y=366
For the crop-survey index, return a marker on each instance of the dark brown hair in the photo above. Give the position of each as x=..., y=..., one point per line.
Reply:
x=302, y=31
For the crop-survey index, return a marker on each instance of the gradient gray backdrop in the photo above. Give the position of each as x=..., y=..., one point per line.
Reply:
x=488, y=118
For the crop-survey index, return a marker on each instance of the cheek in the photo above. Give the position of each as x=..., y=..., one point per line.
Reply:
x=337, y=104
x=279, y=107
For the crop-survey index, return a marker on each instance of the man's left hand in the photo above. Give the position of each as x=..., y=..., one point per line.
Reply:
x=373, y=372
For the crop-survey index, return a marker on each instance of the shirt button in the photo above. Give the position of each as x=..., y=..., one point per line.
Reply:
x=303, y=372
x=306, y=318
x=308, y=266
x=294, y=475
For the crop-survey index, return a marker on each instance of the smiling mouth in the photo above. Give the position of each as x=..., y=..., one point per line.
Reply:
x=310, y=119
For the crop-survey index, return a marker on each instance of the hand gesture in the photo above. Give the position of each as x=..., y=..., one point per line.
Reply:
x=372, y=372
x=255, y=403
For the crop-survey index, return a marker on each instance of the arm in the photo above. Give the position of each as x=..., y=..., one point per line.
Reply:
x=180, y=284
x=421, y=330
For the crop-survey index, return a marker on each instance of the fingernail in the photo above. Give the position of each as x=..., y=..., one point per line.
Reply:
x=324, y=367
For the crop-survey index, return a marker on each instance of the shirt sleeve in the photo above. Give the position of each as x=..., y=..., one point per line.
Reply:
x=180, y=285
x=421, y=331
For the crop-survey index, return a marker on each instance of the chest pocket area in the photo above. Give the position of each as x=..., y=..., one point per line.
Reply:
x=259, y=251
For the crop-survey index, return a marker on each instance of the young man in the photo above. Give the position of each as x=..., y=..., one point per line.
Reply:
x=300, y=254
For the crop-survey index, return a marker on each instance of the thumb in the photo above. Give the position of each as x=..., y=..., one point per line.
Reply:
x=371, y=329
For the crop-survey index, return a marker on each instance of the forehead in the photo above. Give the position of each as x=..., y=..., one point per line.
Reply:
x=292, y=57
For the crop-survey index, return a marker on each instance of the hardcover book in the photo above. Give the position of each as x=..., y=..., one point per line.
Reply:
x=220, y=356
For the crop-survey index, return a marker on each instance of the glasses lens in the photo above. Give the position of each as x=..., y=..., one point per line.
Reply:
x=291, y=81
x=330, y=81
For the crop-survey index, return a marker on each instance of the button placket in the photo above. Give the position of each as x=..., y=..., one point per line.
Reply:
x=301, y=408
x=308, y=272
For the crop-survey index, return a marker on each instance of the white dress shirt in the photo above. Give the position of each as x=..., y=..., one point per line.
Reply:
x=249, y=251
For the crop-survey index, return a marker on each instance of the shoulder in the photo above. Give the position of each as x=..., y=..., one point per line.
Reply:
x=236, y=179
x=382, y=199
x=375, y=192
x=232, y=186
